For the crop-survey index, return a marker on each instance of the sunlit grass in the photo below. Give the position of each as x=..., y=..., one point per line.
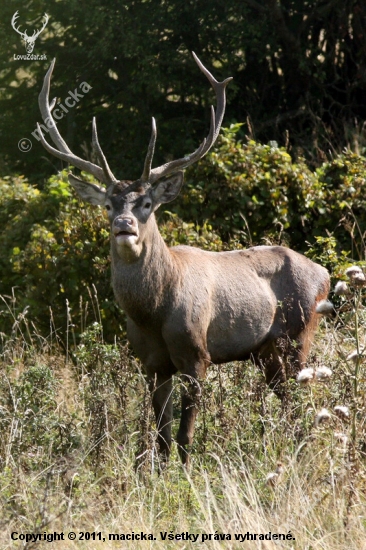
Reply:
x=73, y=427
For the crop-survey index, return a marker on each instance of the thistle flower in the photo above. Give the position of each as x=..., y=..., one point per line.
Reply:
x=273, y=477
x=322, y=417
x=359, y=279
x=356, y=276
x=341, y=289
x=305, y=376
x=323, y=373
x=342, y=412
x=350, y=271
x=325, y=307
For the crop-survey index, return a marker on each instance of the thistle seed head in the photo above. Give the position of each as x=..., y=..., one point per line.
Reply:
x=356, y=276
x=342, y=412
x=325, y=307
x=322, y=417
x=322, y=374
x=341, y=289
x=305, y=376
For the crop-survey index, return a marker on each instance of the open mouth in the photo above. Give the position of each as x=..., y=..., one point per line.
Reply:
x=125, y=234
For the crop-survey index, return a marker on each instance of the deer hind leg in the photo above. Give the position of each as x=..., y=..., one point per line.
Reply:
x=270, y=360
x=298, y=349
x=161, y=389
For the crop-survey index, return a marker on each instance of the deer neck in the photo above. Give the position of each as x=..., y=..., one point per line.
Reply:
x=142, y=282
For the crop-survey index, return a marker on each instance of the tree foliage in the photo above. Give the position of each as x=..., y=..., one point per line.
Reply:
x=298, y=66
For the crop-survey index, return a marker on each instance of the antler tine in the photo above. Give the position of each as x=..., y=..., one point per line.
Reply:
x=62, y=152
x=44, y=106
x=100, y=155
x=219, y=88
x=216, y=120
x=150, y=153
x=72, y=159
x=181, y=164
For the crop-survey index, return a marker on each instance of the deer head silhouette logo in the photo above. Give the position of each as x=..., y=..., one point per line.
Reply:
x=29, y=40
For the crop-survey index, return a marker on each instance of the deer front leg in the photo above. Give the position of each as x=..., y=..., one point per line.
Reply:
x=191, y=393
x=161, y=389
x=190, y=404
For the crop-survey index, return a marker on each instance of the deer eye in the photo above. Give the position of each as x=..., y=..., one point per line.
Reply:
x=107, y=207
x=147, y=204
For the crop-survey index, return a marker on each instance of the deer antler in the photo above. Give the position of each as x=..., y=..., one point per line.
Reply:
x=152, y=175
x=149, y=175
x=63, y=152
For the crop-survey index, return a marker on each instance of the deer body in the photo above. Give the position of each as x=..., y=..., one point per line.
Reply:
x=187, y=308
x=230, y=302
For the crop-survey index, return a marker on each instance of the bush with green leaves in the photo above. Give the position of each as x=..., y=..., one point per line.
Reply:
x=343, y=181
x=54, y=249
x=29, y=414
x=257, y=194
x=252, y=192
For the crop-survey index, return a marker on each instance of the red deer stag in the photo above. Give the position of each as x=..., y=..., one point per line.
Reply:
x=186, y=307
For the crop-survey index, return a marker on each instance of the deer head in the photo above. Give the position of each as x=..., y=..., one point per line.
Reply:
x=130, y=204
x=29, y=40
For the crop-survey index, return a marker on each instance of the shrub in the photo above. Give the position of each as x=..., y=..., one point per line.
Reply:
x=29, y=416
x=253, y=193
x=257, y=194
x=344, y=204
x=54, y=250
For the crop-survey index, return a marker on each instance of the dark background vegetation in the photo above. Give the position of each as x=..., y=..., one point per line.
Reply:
x=299, y=71
x=288, y=169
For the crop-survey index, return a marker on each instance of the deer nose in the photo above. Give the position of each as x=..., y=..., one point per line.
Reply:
x=124, y=225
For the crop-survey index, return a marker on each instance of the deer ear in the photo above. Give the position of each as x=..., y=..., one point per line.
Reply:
x=168, y=189
x=89, y=192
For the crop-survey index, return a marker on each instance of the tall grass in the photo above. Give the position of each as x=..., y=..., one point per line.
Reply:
x=77, y=447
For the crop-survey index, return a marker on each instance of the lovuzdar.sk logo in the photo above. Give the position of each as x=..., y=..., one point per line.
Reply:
x=29, y=41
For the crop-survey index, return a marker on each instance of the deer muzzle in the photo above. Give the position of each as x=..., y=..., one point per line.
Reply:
x=125, y=230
